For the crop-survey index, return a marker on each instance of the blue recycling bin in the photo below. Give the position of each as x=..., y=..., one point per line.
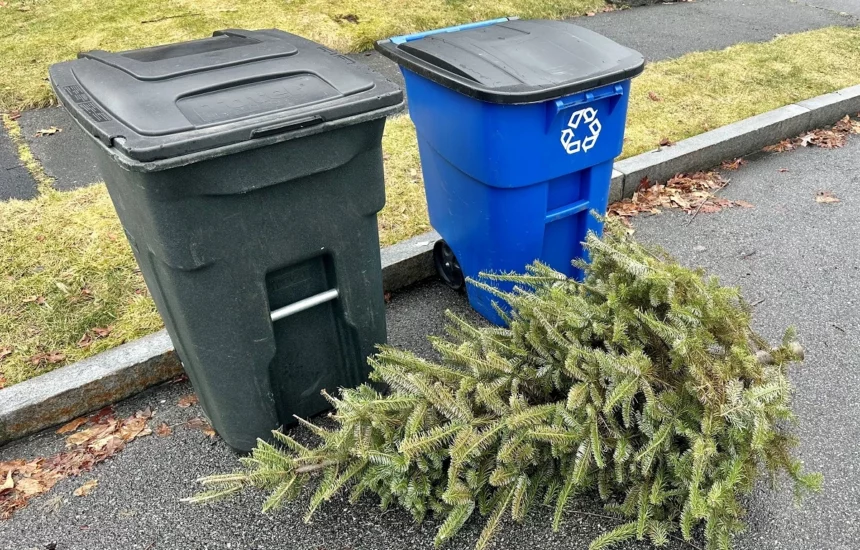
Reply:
x=518, y=123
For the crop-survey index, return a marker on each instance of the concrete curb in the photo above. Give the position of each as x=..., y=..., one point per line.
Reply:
x=88, y=385
x=408, y=261
x=111, y=376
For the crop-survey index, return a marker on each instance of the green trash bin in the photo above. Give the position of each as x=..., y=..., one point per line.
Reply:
x=246, y=169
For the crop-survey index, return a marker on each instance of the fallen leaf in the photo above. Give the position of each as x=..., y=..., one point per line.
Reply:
x=72, y=426
x=783, y=170
x=9, y=483
x=666, y=142
x=103, y=332
x=203, y=426
x=29, y=486
x=52, y=357
x=825, y=197
x=132, y=428
x=187, y=401
x=38, y=300
x=2, y=381
x=14, y=115
x=48, y=131
x=386, y=297
x=163, y=430
x=85, y=341
x=781, y=147
x=590, y=14
x=5, y=352
x=79, y=438
x=197, y=423
x=103, y=442
x=86, y=488
x=732, y=164
x=654, y=97
x=102, y=414
x=743, y=204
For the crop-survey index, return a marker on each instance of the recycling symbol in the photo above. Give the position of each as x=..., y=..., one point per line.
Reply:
x=585, y=117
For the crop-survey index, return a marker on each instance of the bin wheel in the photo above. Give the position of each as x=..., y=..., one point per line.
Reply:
x=448, y=267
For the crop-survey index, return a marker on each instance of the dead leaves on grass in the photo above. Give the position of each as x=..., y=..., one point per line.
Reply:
x=826, y=138
x=104, y=437
x=52, y=357
x=93, y=335
x=38, y=300
x=692, y=193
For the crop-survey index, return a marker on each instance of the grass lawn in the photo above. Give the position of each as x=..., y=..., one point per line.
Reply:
x=66, y=269
x=37, y=33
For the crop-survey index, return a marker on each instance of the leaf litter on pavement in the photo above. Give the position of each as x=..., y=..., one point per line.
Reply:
x=826, y=138
x=692, y=193
x=104, y=436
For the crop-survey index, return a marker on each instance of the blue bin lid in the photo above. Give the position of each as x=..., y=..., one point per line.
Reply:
x=515, y=61
x=168, y=101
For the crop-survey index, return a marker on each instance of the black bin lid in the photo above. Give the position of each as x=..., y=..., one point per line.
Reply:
x=167, y=101
x=515, y=61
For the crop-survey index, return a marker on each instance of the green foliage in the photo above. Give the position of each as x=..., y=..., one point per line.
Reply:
x=644, y=382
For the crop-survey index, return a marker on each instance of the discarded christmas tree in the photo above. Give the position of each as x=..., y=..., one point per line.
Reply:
x=644, y=383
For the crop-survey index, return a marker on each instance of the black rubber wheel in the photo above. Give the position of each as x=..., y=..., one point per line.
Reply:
x=447, y=266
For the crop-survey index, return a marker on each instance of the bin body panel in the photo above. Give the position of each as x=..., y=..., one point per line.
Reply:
x=502, y=189
x=516, y=145
x=223, y=242
x=246, y=169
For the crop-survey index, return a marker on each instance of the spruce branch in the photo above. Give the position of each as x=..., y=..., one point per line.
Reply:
x=644, y=383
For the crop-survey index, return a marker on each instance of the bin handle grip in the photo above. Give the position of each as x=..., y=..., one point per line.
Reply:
x=302, y=305
x=418, y=35
x=565, y=103
x=280, y=128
